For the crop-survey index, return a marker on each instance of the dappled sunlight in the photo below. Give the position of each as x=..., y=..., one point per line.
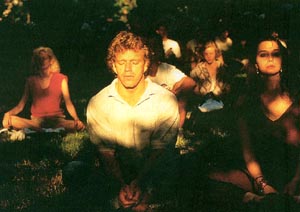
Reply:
x=125, y=6
x=79, y=31
x=16, y=11
x=32, y=181
x=33, y=175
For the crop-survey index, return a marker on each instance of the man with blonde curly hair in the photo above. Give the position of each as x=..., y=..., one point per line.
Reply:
x=133, y=122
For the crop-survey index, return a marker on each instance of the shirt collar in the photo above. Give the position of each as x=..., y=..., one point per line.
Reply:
x=150, y=90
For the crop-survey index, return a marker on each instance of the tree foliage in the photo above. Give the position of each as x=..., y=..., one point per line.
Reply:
x=124, y=7
x=15, y=11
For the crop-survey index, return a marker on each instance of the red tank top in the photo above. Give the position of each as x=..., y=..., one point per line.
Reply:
x=46, y=102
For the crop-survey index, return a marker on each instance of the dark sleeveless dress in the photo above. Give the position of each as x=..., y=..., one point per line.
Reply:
x=275, y=144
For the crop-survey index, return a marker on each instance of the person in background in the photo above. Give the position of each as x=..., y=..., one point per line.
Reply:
x=171, y=47
x=192, y=48
x=171, y=78
x=241, y=51
x=47, y=88
x=134, y=124
x=212, y=103
x=210, y=74
x=223, y=41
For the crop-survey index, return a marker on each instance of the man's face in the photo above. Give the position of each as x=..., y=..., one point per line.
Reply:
x=130, y=67
x=162, y=31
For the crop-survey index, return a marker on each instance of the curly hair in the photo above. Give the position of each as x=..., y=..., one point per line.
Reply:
x=36, y=58
x=125, y=41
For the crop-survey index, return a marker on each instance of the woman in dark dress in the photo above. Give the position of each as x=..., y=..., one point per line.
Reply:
x=269, y=127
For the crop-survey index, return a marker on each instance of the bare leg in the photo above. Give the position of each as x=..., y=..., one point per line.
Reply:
x=69, y=125
x=236, y=177
x=239, y=179
x=21, y=123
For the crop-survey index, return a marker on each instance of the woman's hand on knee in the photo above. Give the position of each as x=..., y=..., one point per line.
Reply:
x=79, y=125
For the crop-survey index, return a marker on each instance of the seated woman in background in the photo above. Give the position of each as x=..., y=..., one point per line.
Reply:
x=210, y=74
x=46, y=88
x=212, y=90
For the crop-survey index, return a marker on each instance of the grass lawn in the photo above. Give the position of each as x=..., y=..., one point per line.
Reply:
x=31, y=175
x=31, y=170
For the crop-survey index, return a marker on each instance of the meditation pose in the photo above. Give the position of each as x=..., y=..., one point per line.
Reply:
x=134, y=123
x=269, y=132
x=46, y=89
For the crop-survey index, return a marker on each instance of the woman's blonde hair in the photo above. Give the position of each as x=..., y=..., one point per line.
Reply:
x=211, y=43
x=35, y=60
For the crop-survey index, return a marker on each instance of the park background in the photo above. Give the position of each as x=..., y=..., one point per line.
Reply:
x=79, y=32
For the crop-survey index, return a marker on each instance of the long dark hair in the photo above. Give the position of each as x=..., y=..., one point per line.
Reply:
x=254, y=79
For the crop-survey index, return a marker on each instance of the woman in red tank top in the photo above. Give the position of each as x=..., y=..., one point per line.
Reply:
x=47, y=88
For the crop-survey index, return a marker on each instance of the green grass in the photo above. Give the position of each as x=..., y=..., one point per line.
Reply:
x=31, y=173
x=73, y=144
x=31, y=170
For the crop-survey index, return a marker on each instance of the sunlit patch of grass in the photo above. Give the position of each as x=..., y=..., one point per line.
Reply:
x=73, y=143
x=44, y=173
x=51, y=185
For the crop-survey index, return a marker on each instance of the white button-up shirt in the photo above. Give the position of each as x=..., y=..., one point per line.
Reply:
x=151, y=123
